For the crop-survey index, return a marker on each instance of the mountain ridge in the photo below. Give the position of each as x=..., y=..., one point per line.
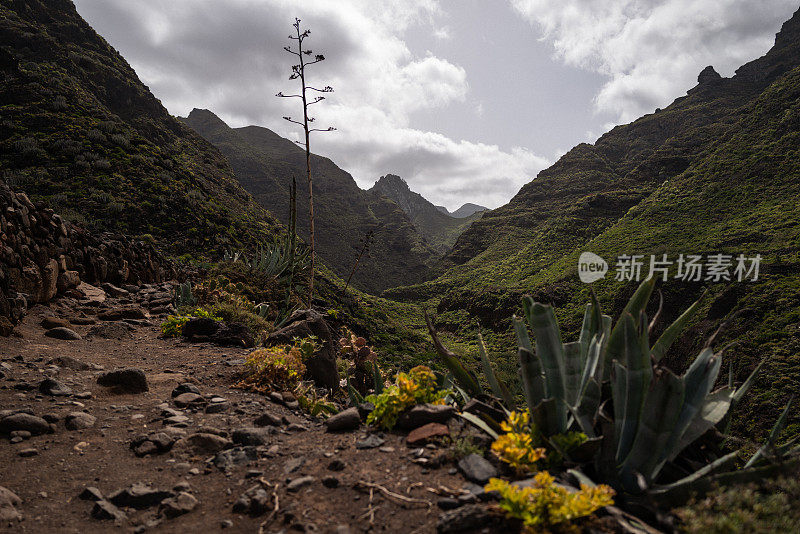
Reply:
x=440, y=229
x=264, y=164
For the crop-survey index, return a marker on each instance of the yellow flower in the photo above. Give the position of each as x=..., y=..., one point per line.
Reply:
x=546, y=503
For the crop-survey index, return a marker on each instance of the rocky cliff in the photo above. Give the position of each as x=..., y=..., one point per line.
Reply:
x=41, y=255
x=439, y=228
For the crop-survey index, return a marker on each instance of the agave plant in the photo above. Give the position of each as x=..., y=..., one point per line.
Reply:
x=656, y=415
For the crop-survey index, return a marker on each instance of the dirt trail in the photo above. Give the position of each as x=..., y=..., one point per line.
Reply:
x=62, y=464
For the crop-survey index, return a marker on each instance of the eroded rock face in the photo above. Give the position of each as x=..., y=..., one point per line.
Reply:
x=41, y=255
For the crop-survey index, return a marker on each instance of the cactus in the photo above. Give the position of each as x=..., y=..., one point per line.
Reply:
x=183, y=296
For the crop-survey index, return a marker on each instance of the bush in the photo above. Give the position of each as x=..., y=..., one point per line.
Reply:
x=278, y=368
x=173, y=325
x=547, y=504
x=416, y=387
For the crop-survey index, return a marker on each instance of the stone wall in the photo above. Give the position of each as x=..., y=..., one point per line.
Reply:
x=41, y=256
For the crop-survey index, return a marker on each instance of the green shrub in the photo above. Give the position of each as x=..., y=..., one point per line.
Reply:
x=416, y=387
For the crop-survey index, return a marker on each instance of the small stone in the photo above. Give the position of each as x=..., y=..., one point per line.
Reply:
x=217, y=407
x=90, y=493
x=370, y=442
x=48, y=323
x=49, y=386
x=330, y=482
x=298, y=483
x=252, y=436
x=130, y=380
x=228, y=459
x=27, y=453
x=138, y=496
x=422, y=414
x=79, y=421
x=267, y=419
x=186, y=387
x=185, y=399
x=105, y=510
x=296, y=427
x=336, y=465
x=293, y=464
x=203, y=443
x=21, y=434
x=424, y=434
x=182, y=503
x=477, y=469
x=24, y=421
x=226, y=523
x=8, y=505
x=177, y=420
x=345, y=420
x=83, y=395
x=448, y=503
x=293, y=405
x=63, y=333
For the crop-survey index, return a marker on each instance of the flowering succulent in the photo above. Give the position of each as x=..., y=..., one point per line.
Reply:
x=517, y=447
x=276, y=368
x=546, y=503
x=418, y=386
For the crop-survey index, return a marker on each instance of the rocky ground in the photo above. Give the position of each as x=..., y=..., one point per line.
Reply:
x=169, y=445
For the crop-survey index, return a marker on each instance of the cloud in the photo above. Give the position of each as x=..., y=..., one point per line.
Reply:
x=228, y=57
x=653, y=50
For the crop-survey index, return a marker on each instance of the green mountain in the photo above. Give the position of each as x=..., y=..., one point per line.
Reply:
x=718, y=171
x=439, y=228
x=81, y=132
x=265, y=163
x=468, y=210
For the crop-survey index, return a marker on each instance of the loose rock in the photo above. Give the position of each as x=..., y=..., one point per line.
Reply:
x=348, y=419
x=79, y=421
x=131, y=380
x=477, y=469
x=63, y=333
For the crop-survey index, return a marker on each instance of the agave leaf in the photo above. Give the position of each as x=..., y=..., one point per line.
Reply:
x=480, y=423
x=547, y=416
x=715, y=407
x=672, y=332
x=769, y=445
x=661, y=411
x=590, y=365
x=639, y=373
x=698, y=381
x=635, y=306
x=741, y=390
x=453, y=364
x=523, y=339
x=585, y=412
x=686, y=484
x=491, y=377
x=586, y=451
x=532, y=380
x=572, y=372
x=619, y=391
x=550, y=351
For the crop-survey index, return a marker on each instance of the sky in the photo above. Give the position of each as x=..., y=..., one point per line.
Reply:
x=467, y=100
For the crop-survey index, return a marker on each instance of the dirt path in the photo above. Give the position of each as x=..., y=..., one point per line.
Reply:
x=62, y=464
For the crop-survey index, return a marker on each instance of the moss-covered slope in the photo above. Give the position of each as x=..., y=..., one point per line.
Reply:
x=80, y=131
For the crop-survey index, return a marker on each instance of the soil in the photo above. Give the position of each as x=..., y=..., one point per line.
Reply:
x=67, y=461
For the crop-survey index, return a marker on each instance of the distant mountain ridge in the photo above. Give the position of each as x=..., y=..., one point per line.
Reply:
x=438, y=227
x=265, y=163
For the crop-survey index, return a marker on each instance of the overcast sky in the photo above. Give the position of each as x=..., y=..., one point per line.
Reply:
x=465, y=99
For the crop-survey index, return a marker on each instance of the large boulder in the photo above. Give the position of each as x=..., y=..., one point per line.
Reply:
x=129, y=380
x=322, y=366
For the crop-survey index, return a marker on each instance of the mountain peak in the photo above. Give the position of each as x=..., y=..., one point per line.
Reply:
x=467, y=210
